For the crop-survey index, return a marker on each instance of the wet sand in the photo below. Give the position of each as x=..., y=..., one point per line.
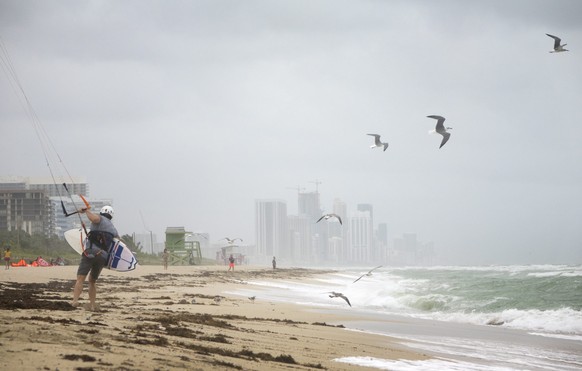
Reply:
x=151, y=319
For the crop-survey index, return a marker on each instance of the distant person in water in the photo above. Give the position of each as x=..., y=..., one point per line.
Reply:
x=165, y=256
x=231, y=263
x=274, y=263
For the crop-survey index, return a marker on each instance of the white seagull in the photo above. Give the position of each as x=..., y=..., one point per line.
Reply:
x=557, y=47
x=231, y=240
x=367, y=274
x=440, y=128
x=333, y=294
x=377, y=142
x=327, y=216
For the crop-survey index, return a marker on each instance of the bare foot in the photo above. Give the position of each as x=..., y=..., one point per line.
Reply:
x=92, y=308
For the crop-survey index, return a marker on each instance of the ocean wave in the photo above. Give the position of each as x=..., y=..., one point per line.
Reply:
x=564, y=321
x=415, y=365
x=542, y=298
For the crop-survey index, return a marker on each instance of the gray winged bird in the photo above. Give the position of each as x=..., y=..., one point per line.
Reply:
x=440, y=128
x=231, y=240
x=333, y=294
x=367, y=274
x=377, y=142
x=557, y=44
x=328, y=216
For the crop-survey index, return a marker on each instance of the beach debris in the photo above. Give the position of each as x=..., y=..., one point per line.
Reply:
x=328, y=216
x=333, y=294
x=217, y=299
x=367, y=274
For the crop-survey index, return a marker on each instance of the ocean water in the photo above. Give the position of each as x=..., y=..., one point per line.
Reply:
x=490, y=318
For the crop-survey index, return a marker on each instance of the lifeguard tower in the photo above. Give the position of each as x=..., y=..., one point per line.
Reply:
x=182, y=252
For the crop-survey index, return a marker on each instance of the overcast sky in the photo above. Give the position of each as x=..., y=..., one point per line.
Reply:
x=189, y=111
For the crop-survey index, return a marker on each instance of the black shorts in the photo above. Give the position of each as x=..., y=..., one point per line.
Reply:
x=94, y=265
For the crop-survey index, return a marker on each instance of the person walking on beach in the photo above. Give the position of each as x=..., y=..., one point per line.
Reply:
x=231, y=263
x=7, y=257
x=274, y=263
x=94, y=257
x=165, y=256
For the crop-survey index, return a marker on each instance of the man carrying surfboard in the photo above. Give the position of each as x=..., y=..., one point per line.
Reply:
x=94, y=257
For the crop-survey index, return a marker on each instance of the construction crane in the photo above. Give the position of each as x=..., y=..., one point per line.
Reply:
x=298, y=189
x=317, y=182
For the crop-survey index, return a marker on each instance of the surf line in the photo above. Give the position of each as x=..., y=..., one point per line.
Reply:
x=51, y=155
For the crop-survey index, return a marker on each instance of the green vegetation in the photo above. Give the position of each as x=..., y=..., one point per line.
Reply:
x=29, y=247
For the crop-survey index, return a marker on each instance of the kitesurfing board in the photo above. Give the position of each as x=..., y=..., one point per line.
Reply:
x=120, y=258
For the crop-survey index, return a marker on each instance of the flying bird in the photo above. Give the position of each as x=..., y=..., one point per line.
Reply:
x=252, y=298
x=367, y=274
x=557, y=47
x=440, y=128
x=333, y=294
x=231, y=240
x=327, y=216
x=377, y=142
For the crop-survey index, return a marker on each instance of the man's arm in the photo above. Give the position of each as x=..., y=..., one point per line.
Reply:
x=93, y=218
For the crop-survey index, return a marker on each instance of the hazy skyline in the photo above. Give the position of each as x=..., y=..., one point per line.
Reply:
x=188, y=111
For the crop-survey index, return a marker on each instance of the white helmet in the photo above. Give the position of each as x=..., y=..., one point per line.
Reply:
x=107, y=211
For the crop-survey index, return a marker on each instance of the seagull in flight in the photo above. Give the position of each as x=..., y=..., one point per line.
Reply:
x=231, y=240
x=327, y=216
x=333, y=294
x=367, y=274
x=377, y=142
x=557, y=47
x=440, y=128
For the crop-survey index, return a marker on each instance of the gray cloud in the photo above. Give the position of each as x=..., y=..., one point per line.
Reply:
x=188, y=111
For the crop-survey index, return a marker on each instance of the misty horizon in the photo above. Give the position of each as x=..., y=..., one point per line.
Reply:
x=186, y=113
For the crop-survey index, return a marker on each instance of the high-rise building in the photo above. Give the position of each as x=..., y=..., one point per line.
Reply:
x=299, y=238
x=25, y=210
x=52, y=188
x=382, y=233
x=309, y=204
x=340, y=208
x=367, y=207
x=271, y=229
x=405, y=249
x=360, y=237
x=54, y=219
x=380, y=252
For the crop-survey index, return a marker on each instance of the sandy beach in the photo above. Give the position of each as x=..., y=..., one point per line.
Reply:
x=182, y=318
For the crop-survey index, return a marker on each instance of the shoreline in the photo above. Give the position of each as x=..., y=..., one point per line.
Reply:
x=182, y=317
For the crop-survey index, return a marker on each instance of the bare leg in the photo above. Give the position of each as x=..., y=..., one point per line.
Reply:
x=92, y=293
x=78, y=289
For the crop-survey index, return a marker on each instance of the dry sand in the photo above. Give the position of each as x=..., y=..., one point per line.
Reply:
x=151, y=319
